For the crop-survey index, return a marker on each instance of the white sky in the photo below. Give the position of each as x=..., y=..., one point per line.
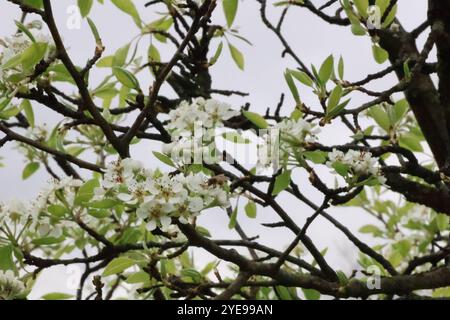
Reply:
x=311, y=39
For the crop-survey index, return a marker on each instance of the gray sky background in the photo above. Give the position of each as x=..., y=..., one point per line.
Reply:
x=312, y=39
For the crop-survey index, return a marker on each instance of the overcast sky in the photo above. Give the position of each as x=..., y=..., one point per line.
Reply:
x=311, y=39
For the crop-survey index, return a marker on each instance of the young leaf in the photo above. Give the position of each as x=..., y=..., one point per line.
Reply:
x=379, y=54
x=28, y=110
x=85, y=7
x=120, y=56
x=118, y=265
x=230, y=9
x=334, y=98
x=302, y=77
x=6, y=258
x=237, y=56
x=341, y=68
x=380, y=116
x=164, y=159
x=126, y=78
x=216, y=55
x=86, y=191
x=233, y=218
x=281, y=182
x=326, y=70
x=94, y=31
x=250, y=209
x=30, y=169
x=57, y=296
x=292, y=87
x=235, y=138
x=256, y=119
x=33, y=54
x=128, y=7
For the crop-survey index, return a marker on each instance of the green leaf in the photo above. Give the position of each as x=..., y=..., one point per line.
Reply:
x=292, y=87
x=216, y=55
x=302, y=77
x=126, y=78
x=48, y=241
x=103, y=204
x=57, y=210
x=371, y=229
x=6, y=258
x=318, y=157
x=153, y=54
x=128, y=7
x=311, y=294
x=105, y=62
x=33, y=55
x=357, y=29
x=380, y=116
x=11, y=63
x=233, y=218
x=192, y=273
x=95, y=32
x=390, y=17
x=237, y=56
x=30, y=169
x=283, y=293
x=326, y=70
x=379, y=54
x=57, y=296
x=25, y=30
x=400, y=108
x=282, y=182
x=235, y=138
x=362, y=6
x=118, y=265
x=120, y=56
x=442, y=221
x=340, y=168
x=164, y=159
x=334, y=98
x=250, y=209
x=343, y=280
x=99, y=214
x=256, y=119
x=86, y=191
x=38, y=4
x=138, y=277
x=230, y=9
x=410, y=141
x=85, y=6
x=28, y=110
x=341, y=68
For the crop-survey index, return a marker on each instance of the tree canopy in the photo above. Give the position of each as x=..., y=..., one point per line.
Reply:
x=133, y=227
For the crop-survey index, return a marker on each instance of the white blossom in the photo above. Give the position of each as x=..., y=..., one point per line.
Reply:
x=10, y=287
x=374, y=17
x=360, y=162
x=207, y=113
x=14, y=46
x=300, y=130
x=156, y=214
x=120, y=172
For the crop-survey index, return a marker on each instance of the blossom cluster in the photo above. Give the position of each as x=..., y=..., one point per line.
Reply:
x=284, y=140
x=298, y=131
x=360, y=163
x=208, y=113
x=13, y=47
x=158, y=197
x=192, y=127
x=10, y=287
